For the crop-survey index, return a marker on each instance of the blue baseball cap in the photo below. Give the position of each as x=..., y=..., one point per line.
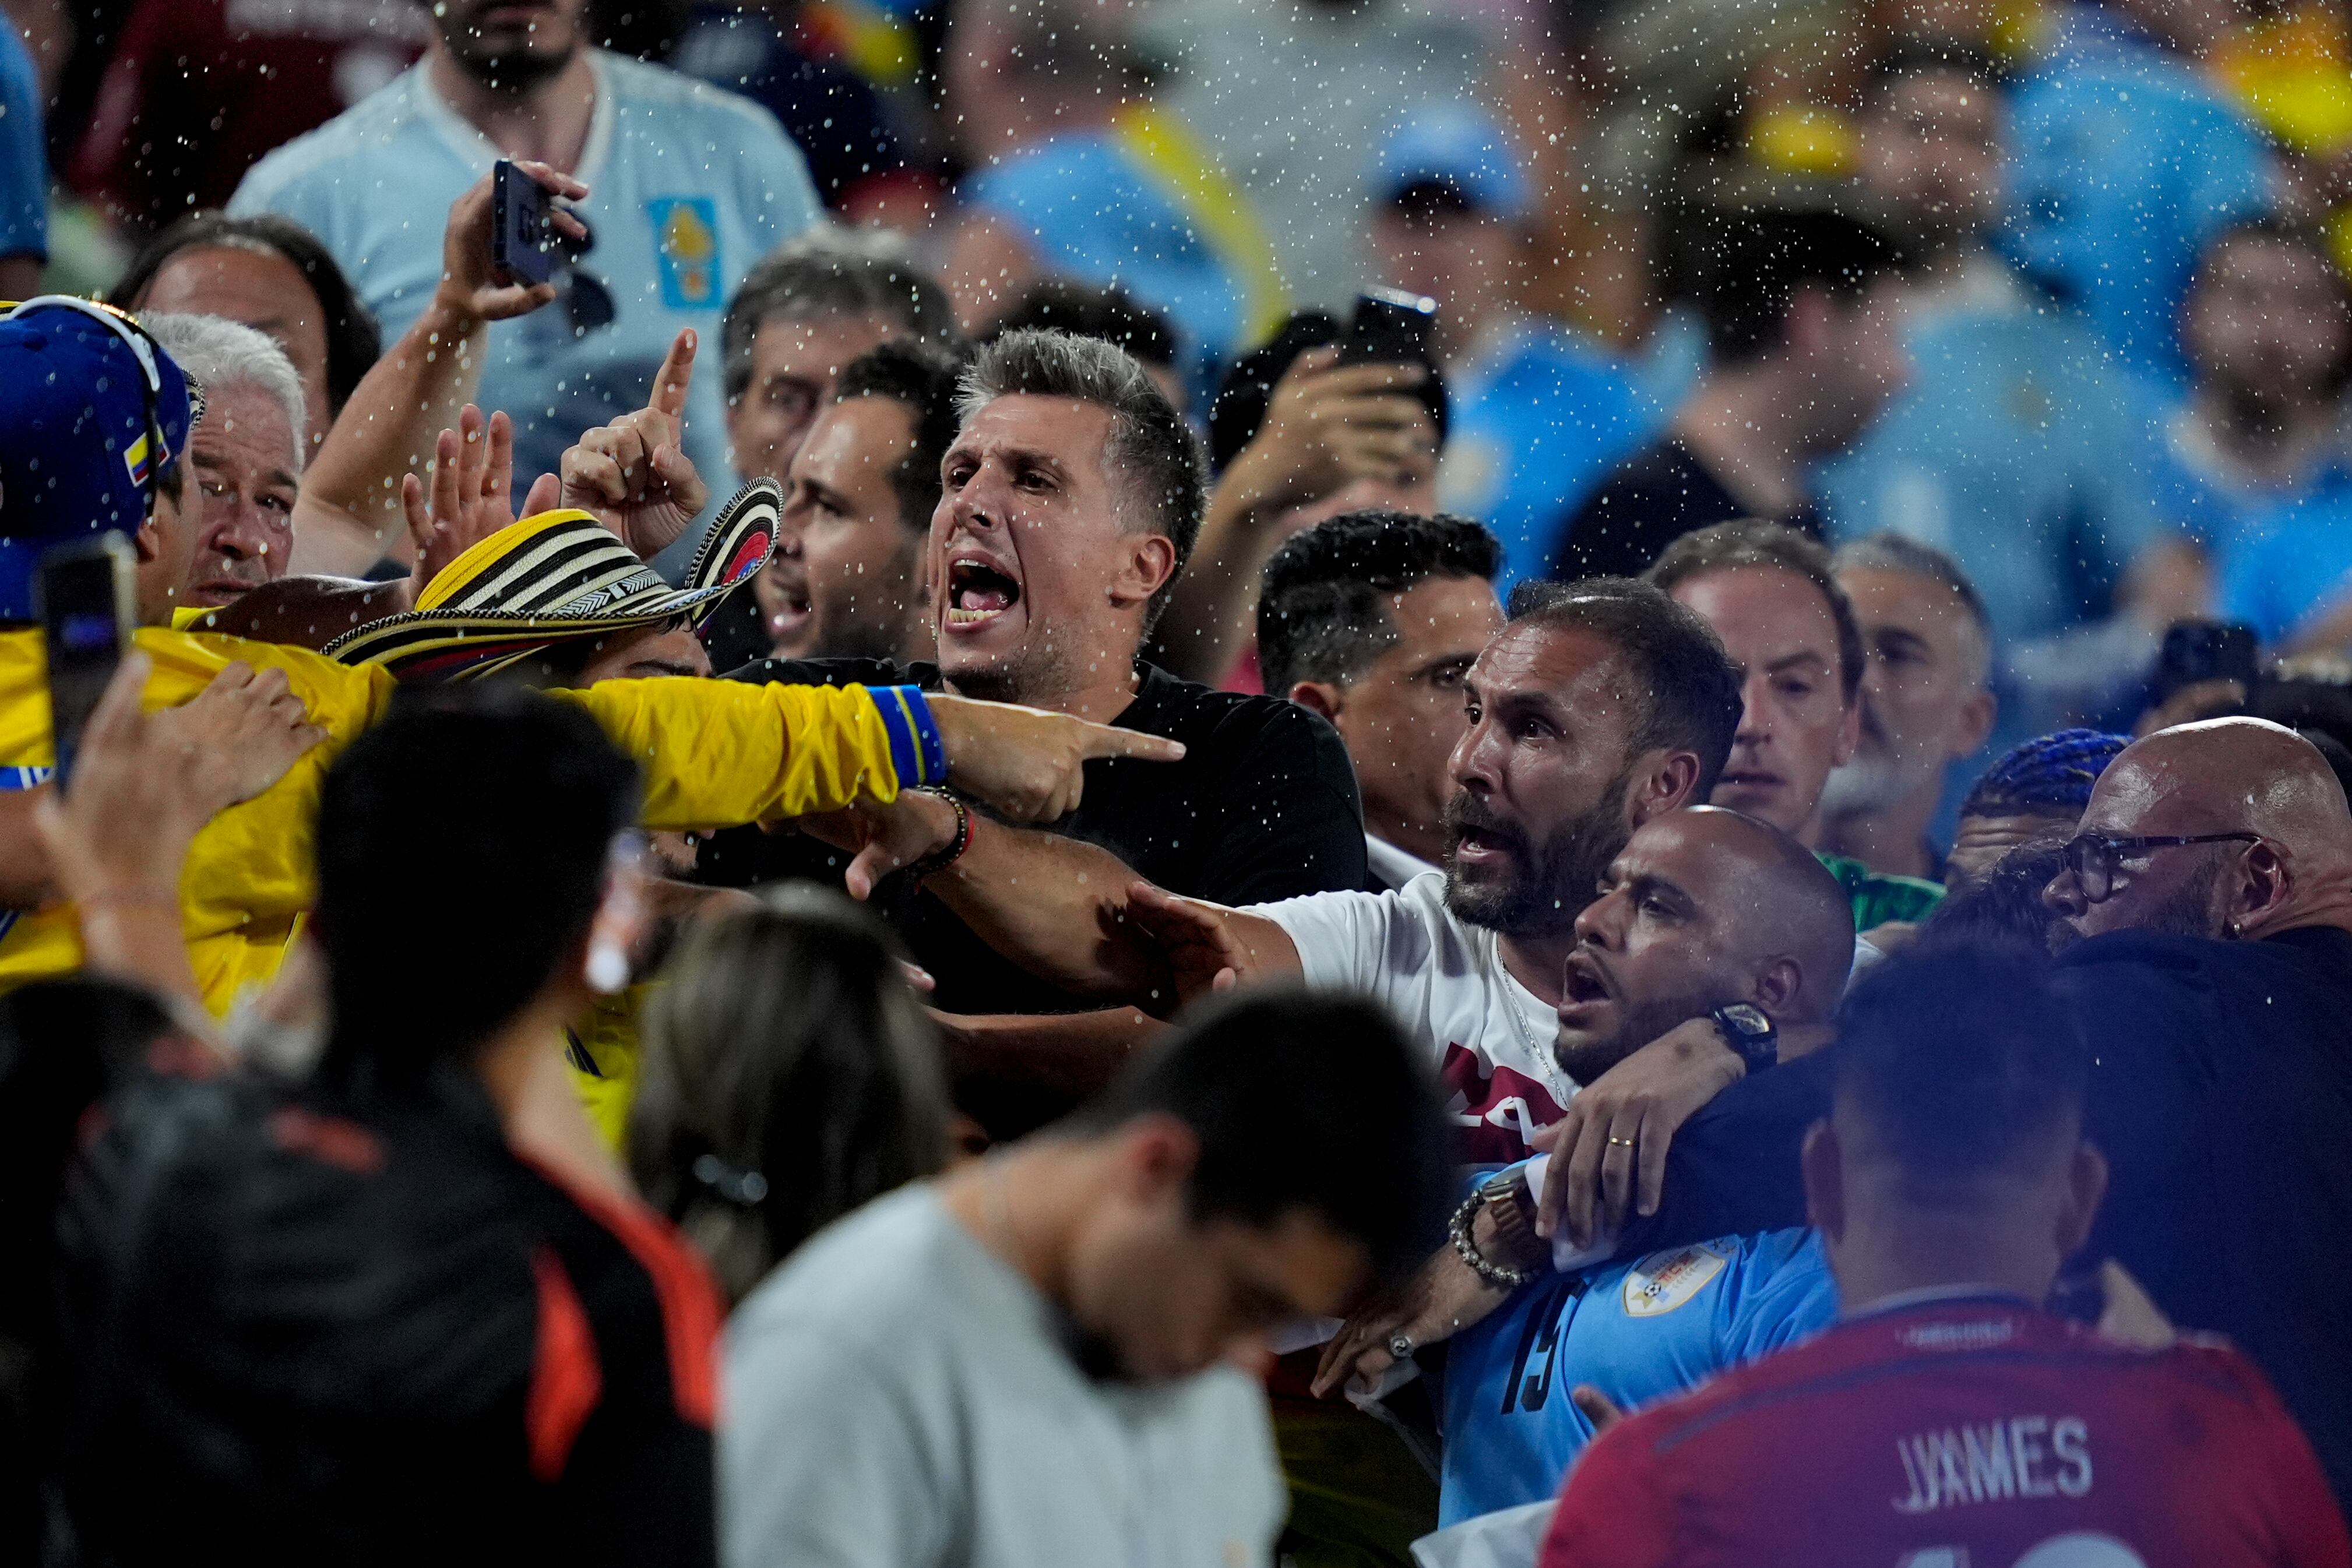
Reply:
x=91, y=411
x=1458, y=145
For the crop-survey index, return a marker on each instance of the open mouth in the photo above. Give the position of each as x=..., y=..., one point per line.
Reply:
x=1480, y=846
x=978, y=593
x=1581, y=983
x=790, y=606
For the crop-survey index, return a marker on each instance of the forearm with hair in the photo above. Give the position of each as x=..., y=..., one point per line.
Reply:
x=348, y=516
x=1055, y=907
x=1209, y=619
x=1071, y=1056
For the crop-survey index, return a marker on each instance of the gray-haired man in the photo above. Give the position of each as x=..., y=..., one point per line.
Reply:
x=235, y=530
x=1070, y=498
x=1927, y=702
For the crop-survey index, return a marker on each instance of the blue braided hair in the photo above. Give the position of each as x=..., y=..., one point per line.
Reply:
x=2049, y=774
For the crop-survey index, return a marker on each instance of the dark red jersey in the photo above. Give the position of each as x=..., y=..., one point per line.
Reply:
x=1958, y=1433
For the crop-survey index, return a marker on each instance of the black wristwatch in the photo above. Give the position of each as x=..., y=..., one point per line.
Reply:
x=1747, y=1031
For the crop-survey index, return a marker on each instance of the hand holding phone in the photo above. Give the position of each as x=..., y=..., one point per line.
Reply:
x=531, y=235
x=1389, y=328
x=88, y=597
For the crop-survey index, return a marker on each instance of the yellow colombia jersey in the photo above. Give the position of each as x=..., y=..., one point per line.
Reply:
x=712, y=754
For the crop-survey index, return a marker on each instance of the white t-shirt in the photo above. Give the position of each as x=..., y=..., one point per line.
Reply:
x=897, y=1396
x=1488, y=1035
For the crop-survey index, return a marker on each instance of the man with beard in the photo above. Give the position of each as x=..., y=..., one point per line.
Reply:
x=1927, y=703
x=1070, y=500
x=847, y=579
x=1597, y=708
x=1705, y=909
x=2206, y=917
x=688, y=186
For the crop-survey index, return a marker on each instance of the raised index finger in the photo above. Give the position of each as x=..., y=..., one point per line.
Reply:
x=1105, y=740
x=676, y=373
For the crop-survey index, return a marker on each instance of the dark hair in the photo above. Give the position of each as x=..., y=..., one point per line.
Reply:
x=1750, y=541
x=1908, y=57
x=922, y=379
x=1238, y=411
x=1743, y=268
x=2005, y=902
x=1153, y=454
x=1964, y=1059
x=1300, y=1099
x=1322, y=603
x=783, y=1044
x=2050, y=775
x=1690, y=692
x=517, y=796
x=353, y=339
x=831, y=273
x=1102, y=310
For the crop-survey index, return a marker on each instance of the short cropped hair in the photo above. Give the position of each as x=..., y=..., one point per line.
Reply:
x=1964, y=1061
x=1322, y=604
x=1301, y=1100
x=527, y=794
x=2049, y=776
x=833, y=272
x=1102, y=310
x=1892, y=552
x=1690, y=692
x=1152, y=457
x=922, y=379
x=221, y=353
x=354, y=342
x=1753, y=542
x=1743, y=268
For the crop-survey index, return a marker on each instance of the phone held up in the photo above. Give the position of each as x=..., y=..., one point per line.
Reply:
x=88, y=606
x=1389, y=328
x=523, y=240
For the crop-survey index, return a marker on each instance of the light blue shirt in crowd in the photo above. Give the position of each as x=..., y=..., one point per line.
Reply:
x=1637, y=1330
x=2291, y=564
x=688, y=186
x=2018, y=449
x=2124, y=165
x=1539, y=420
x=23, y=154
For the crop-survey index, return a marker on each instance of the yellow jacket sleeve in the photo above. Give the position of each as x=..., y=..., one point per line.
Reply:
x=716, y=754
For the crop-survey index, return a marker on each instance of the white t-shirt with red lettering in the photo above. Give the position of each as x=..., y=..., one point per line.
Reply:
x=1489, y=1036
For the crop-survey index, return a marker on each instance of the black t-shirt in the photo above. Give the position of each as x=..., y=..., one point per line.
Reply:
x=2221, y=1096
x=1654, y=499
x=1263, y=807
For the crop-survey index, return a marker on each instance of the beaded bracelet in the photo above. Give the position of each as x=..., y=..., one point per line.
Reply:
x=938, y=860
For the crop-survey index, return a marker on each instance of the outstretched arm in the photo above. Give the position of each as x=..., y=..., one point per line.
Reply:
x=1071, y=912
x=350, y=513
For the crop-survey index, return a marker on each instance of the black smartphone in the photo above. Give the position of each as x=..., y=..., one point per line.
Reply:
x=523, y=240
x=88, y=601
x=2197, y=651
x=1390, y=327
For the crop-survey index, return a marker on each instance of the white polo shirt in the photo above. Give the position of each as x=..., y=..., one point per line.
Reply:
x=688, y=186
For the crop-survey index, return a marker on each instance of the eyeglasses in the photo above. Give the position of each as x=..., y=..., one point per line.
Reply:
x=2094, y=857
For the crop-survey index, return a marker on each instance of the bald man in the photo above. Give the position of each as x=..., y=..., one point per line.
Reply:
x=2211, y=889
x=2214, y=979
x=1703, y=908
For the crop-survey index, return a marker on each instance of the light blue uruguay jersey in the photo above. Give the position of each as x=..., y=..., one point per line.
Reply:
x=1539, y=421
x=1638, y=1331
x=688, y=187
